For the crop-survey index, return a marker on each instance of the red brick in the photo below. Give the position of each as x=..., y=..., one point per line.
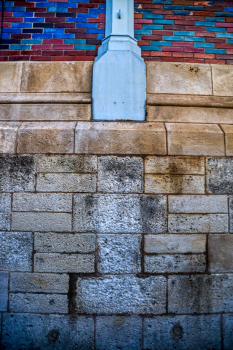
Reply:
x=195, y=28
x=158, y=59
x=63, y=58
x=207, y=14
x=171, y=59
x=74, y=52
x=182, y=43
x=143, y=21
x=162, y=54
x=95, y=20
x=30, y=52
x=9, y=52
x=3, y=59
x=145, y=53
x=213, y=40
x=162, y=32
x=50, y=14
x=137, y=26
x=224, y=25
x=223, y=46
x=54, y=20
x=203, y=55
x=205, y=34
x=64, y=25
x=175, y=49
x=215, y=61
x=52, y=53
x=13, y=19
x=84, y=58
x=182, y=54
x=152, y=37
x=229, y=51
x=185, y=23
x=170, y=27
x=174, y=17
x=229, y=19
x=19, y=58
x=40, y=58
x=53, y=41
x=194, y=49
x=143, y=43
x=230, y=30
x=192, y=60
x=78, y=10
x=6, y=25
x=63, y=47
x=41, y=46
x=85, y=36
x=224, y=57
x=137, y=15
x=229, y=62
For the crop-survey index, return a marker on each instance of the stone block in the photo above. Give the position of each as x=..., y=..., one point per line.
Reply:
x=121, y=294
x=200, y=294
x=119, y=253
x=219, y=175
x=175, y=263
x=186, y=223
x=175, y=243
x=16, y=251
x=174, y=184
x=57, y=77
x=117, y=213
x=38, y=303
x=198, y=204
x=182, y=332
x=227, y=321
x=39, y=283
x=55, y=202
x=175, y=165
x=10, y=73
x=51, y=137
x=66, y=183
x=3, y=291
x=5, y=211
x=222, y=80
x=30, y=221
x=118, y=174
x=64, y=263
x=8, y=137
x=120, y=138
x=228, y=131
x=66, y=164
x=220, y=253
x=231, y=214
x=176, y=78
x=118, y=332
x=64, y=242
x=195, y=139
x=27, y=331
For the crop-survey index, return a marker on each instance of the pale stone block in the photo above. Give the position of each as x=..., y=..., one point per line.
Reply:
x=219, y=175
x=195, y=139
x=121, y=138
x=3, y=291
x=8, y=137
x=198, y=204
x=66, y=164
x=220, y=253
x=5, y=211
x=10, y=73
x=56, y=202
x=62, y=98
x=227, y=321
x=44, y=137
x=228, y=131
x=222, y=80
x=176, y=78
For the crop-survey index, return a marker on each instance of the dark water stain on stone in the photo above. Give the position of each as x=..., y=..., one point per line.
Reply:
x=53, y=335
x=177, y=331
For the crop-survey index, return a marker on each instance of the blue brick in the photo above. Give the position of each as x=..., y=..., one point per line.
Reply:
x=204, y=24
x=173, y=7
x=220, y=51
x=6, y=36
x=51, y=9
x=223, y=14
x=203, y=45
x=23, y=14
x=74, y=41
x=63, y=36
x=216, y=29
x=84, y=47
x=66, y=4
x=161, y=43
x=151, y=15
x=173, y=38
x=79, y=20
x=151, y=26
x=142, y=32
x=87, y=15
x=42, y=36
x=101, y=36
x=162, y=2
x=9, y=3
x=102, y=6
x=33, y=20
x=194, y=38
x=11, y=30
x=194, y=8
x=60, y=9
x=229, y=41
x=229, y=9
x=31, y=41
x=97, y=11
x=21, y=25
x=184, y=33
x=224, y=35
x=20, y=47
x=163, y=21
x=213, y=19
x=86, y=25
x=95, y=31
x=137, y=37
x=15, y=9
x=151, y=48
x=186, y=13
x=46, y=4
x=54, y=30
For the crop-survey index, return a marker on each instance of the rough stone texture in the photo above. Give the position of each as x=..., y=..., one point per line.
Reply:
x=64, y=263
x=175, y=165
x=3, y=291
x=47, y=332
x=10, y=73
x=220, y=253
x=182, y=332
x=200, y=294
x=15, y=251
x=227, y=321
x=55, y=202
x=8, y=136
x=39, y=282
x=47, y=77
x=219, y=175
x=51, y=137
x=176, y=78
x=17, y=173
x=174, y=184
x=60, y=222
x=222, y=80
x=175, y=243
x=198, y=204
x=38, y=303
x=121, y=294
x=5, y=211
x=119, y=253
x=119, y=213
x=195, y=139
x=175, y=263
x=64, y=242
x=228, y=131
x=185, y=223
x=118, y=174
x=231, y=214
x=66, y=183
x=118, y=332
x=120, y=138
x=66, y=164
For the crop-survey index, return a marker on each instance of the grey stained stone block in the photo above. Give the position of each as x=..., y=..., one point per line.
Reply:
x=3, y=291
x=119, y=253
x=219, y=175
x=231, y=214
x=227, y=331
x=220, y=253
x=47, y=332
x=115, y=213
x=120, y=174
x=198, y=204
x=121, y=294
x=56, y=202
x=118, y=332
x=5, y=211
x=182, y=333
x=200, y=294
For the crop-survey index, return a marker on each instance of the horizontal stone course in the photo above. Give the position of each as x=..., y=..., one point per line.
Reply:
x=220, y=253
x=198, y=204
x=66, y=164
x=174, y=184
x=3, y=291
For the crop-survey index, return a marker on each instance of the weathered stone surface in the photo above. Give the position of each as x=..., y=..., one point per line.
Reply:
x=51, y=137
x=175, y=263
x=56, y=77
x=119, y=253
x=185, y=223
x=66, y=164
x=10, y=73
x=221, y=253
x=175, y=243
x=176, y=78
x=39, y=282
x=3, y=291
x=64, y=263
x=227, y=321
x=17, y=173
x=42, y=202
x=228, y=131
x=182, y=332
x=120, y=138
x=118, y=332
x=200, y=293
x=8, y=137
x=118, y=174
x=219, y=175
x=222, y=80
x=231, y=214
x=198, y=204
x=30, y=221
x=195, y=139
x=82, y=98
x=117, y=213
x=38, y=303
x=121, y=294
x=64, y=242
x=30, y=331
x=5, y=211
x=66, y=183
x=175, y=165
x=15, y=251
x=174, y=184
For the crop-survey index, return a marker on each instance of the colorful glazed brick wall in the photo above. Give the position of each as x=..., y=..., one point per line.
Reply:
x=169, y=31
